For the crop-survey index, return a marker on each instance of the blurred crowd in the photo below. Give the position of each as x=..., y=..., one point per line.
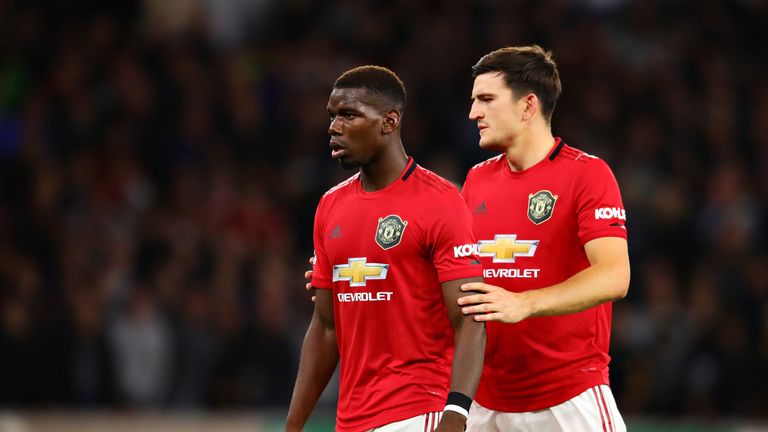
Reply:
x=160, y=163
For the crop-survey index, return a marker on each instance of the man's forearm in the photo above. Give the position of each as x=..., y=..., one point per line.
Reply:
x=319, y=357
x=592, y=286
x=469, y=351
x=468, y=356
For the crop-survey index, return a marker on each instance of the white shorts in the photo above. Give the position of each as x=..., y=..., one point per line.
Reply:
x=593, y=411
x=420, y=423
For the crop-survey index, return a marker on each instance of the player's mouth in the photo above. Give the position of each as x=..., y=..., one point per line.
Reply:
x=337, y=150
x=481, y=127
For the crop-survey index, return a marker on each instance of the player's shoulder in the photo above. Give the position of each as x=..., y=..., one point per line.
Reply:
x=580, y=159
x=487, y=164
x=345, y=185
x=573, y=154
x=431, y=182
x=435, y=195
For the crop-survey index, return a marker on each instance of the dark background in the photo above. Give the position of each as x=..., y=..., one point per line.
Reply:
x=160, y=163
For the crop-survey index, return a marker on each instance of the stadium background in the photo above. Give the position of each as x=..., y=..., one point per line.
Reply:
x=160, y=162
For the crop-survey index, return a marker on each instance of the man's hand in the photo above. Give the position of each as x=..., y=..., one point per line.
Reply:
x=494, y=303
x=308, y=276
x=452, y=422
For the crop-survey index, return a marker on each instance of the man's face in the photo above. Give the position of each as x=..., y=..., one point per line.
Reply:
x=356, y=127
x=497, y=111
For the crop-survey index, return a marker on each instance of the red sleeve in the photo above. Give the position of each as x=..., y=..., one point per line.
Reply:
x=600, y=211
x=454, y=248
x=321, y=275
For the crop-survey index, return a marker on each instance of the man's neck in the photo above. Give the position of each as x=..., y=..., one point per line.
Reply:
x=529, y=149
x=381, y=172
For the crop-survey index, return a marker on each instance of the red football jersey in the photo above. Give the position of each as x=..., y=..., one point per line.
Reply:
x=531, y=228
x=385, y=254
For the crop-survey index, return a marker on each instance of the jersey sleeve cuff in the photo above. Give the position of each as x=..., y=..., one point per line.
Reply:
x=475, y=271
x=620, y=232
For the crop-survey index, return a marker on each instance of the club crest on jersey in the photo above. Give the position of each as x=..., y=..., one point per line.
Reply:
x=540, y=206
x=390, y=230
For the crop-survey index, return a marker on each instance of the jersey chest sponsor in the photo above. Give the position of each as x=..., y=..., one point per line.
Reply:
x=504, y=248
x=358, y=271
x=507, y=249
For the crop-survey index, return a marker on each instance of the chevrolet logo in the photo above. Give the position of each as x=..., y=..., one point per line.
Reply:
x=357, y=272
x=504, y=248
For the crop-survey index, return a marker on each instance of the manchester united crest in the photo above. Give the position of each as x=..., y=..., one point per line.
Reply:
x=390, y=230
x=540, y=206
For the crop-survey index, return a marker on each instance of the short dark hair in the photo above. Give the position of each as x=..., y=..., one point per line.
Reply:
x=525, y=69
x=376, y=79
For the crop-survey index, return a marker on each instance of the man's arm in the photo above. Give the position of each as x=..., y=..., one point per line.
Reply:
x=606, y=279
x=319, y=357
x=469, y=341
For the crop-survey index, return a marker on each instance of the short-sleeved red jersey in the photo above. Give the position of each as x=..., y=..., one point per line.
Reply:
x=385, y=254
x=531, y=228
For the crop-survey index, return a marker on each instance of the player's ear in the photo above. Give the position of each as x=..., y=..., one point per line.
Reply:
x=391, y=121
x=531, y=106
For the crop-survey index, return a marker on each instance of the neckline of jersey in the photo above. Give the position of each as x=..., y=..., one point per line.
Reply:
x=388, y=188
x=535, y=167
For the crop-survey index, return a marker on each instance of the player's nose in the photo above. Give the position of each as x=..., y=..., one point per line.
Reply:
x=475, y=112
x=334, y=129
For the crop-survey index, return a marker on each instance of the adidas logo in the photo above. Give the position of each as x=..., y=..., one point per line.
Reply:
x=481, y=208
x=336, y=232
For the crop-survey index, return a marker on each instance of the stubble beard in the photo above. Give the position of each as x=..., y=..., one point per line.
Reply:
x=490, y=145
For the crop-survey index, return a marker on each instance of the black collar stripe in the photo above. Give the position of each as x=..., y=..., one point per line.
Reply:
x=409, y=171
x=557, y=150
